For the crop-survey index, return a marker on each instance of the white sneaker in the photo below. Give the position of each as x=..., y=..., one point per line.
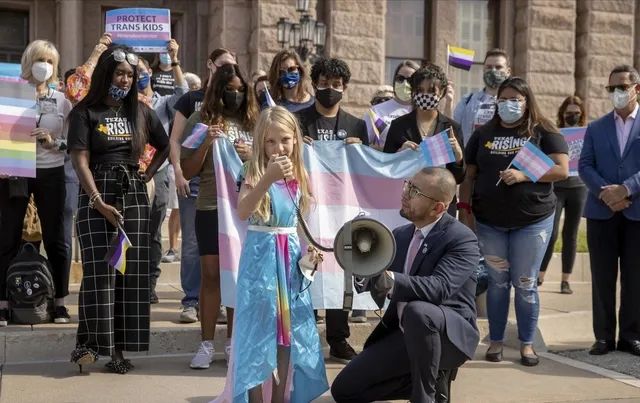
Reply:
x=204, y=356
x=222, y=316
x=227, y=350
x=189, y=314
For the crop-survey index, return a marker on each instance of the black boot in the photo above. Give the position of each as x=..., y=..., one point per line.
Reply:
x=153, y=297
x=443, y=384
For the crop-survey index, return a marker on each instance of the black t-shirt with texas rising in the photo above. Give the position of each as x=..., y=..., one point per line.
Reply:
x=106, y=133
x=491, y=149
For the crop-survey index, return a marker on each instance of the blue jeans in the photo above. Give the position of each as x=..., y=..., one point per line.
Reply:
x=513, y=257
x=190, y=258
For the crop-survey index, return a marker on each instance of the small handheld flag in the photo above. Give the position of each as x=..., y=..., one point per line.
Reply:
x=532, y=162
x=270, y=102
x=117, y=254
x=377, y=124
x=197, y=136
x=460, y=58
x=437, y=150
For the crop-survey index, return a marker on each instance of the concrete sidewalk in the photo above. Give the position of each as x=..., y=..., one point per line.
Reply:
x=169, y=379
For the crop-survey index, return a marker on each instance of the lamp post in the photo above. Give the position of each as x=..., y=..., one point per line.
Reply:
x=307, y=36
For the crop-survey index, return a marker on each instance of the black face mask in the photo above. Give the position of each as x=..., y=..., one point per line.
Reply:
x=232, y=100
x=572, y=119
x=328, y=97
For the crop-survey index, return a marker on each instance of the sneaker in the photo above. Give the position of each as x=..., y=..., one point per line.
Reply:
x=358, y=316
x=204, y=356
x=170, y=257
x=61, y=315
x=342, y=352
x=227, y=350
x=565, y=288
x=4, y=317
x=153, y=297
x=189, y=314
x=222, y=316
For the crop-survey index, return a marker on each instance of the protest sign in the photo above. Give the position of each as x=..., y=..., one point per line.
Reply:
x=146, y=30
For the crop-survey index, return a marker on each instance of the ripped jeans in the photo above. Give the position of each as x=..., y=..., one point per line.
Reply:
x=513, y=257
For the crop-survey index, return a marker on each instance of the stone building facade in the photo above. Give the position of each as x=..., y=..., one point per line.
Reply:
x=561, y=47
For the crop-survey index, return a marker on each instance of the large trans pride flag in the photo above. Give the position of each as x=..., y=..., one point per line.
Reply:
x=346, y=180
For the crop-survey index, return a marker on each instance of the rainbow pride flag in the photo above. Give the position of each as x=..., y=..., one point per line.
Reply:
x=345, y=180
x=117, y=254
x=17, y=120
x=460, y=58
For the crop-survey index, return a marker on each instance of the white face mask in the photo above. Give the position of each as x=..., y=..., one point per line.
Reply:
x=620, y=98
x=41, y=71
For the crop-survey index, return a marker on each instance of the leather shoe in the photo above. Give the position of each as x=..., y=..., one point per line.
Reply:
x=443, y=384
x=629, y=346
x=602, y=347
x=493, y=357
x=529, y=360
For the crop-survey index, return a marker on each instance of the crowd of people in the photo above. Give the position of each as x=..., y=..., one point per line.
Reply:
x=110, y=156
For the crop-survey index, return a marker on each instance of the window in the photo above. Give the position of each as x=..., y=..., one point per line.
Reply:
x=476, y=31
x=14, y=34
x=404, y=34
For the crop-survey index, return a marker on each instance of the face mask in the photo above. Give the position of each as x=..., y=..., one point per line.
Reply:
x=620, y=98
x=493, y=78
x=41, y=71
x=403, y=91
x=426, y=102
x=165, y=59
x=572, y=119
x=232, y=100
x=290, y=80
x=118, y=93
x=328, y=97
x=510, y=111
x=143, y=81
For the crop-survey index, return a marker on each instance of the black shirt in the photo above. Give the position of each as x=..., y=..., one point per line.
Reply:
x=339, y=127
x=163, y=82
x=189, y=103
x=326, y=129
x=106, y=133
x=491, y=148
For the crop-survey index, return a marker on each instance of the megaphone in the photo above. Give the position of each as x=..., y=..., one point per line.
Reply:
x=363, y=247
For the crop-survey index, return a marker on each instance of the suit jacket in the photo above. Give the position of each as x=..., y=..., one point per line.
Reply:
x=353, y=126
x=602, y=164
x=443, y=273
x=406, y=128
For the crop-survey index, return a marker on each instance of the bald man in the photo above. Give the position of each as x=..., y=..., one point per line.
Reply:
x=429, y=328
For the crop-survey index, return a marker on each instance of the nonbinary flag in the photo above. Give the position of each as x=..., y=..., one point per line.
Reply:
x=532, y=161
x=345, y=180
x=197, y=136
x=437, y=150
x=117, y=254
x=460, y=57
x=377, y=124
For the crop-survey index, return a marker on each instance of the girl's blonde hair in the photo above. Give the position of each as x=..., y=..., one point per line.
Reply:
x=282, y=119
x=36, y=50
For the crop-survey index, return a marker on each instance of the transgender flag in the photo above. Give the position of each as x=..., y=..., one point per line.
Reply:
x=532, y=162
x=460, y=57
x=437, y=150
x=346, y=180
x=197, y=136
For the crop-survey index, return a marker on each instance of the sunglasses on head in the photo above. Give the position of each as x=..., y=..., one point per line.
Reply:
x=401, y=79
x=120, y=56
x=622, y=87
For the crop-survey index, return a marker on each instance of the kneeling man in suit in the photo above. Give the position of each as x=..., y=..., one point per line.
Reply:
x=429, y=327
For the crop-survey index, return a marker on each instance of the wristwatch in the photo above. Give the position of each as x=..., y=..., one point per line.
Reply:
x=176, y=63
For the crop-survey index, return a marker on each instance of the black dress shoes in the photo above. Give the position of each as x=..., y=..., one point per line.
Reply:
x=629, y=346
x=602, y=347
x=443, y=385
x=493, y=357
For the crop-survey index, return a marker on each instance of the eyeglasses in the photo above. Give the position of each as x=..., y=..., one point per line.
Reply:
x=413, y=191
x=521, y=100
x=401, y=79
x=120, y=56
x=291, y=69
x=623, y=87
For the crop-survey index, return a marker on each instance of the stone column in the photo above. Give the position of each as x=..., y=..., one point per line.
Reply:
x=443, y=19
x=605, y=38
x=544, y=46
x=69, y=41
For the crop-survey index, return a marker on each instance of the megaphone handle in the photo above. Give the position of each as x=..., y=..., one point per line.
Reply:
x=347, y=300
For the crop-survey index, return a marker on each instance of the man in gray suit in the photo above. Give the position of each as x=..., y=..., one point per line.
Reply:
x=429, y=328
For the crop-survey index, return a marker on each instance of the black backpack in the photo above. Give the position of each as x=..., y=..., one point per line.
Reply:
x=30, y=287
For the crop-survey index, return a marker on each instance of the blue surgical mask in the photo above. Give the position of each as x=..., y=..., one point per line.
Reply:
x=118, y=93
x=510, y=111
x=143, y=81
x=165, y=59
x=290, y=80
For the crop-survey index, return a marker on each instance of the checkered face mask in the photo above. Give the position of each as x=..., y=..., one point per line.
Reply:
x=426, y=101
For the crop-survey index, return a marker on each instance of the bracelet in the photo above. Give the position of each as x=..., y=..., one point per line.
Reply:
x=93, y=198
x=176, y=63
x=464, y=206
